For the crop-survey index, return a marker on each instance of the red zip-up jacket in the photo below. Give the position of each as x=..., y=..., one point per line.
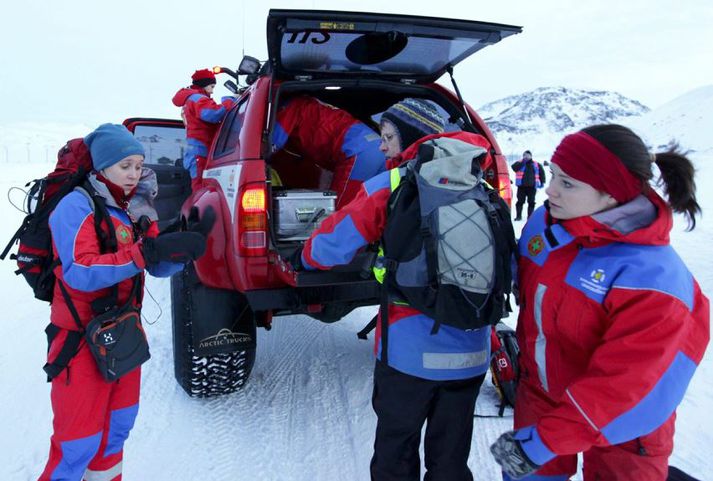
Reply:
x=612, y=327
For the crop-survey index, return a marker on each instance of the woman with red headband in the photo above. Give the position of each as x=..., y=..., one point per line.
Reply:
x=612, y=324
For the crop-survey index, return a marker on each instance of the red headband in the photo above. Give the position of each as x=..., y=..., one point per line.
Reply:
x=582, y=157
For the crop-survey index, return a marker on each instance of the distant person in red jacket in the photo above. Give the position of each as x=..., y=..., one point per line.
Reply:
x=201, y=115
x=612, y=324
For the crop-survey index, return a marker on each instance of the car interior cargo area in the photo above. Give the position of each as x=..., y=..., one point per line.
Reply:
x=303, y=175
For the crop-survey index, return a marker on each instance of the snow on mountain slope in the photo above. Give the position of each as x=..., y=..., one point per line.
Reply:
x=687, y=119
x=560, y=109
x=536, y=120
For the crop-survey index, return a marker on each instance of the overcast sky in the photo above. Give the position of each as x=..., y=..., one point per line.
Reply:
x=95, y=61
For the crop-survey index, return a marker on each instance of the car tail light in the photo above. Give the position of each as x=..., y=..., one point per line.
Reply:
x=252, y=222
x=506, y=191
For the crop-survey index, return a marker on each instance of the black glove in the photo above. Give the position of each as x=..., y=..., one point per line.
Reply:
x=174, y=247
x=201, y=224
x=175, y=226
x=295, y=260
x=509, y=454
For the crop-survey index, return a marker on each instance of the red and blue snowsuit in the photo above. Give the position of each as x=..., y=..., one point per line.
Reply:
x=333, y=140
x=431, y=379
x=201, y=114
x=92, y=417
x=612, y=327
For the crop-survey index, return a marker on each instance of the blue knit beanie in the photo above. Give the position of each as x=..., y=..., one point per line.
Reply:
x=110, y=143
x=413, y=119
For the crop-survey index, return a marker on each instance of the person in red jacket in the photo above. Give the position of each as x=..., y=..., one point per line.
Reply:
x=421, y=378
x=612, y=324
x=92, y=416
x=201, y=115
x=332, y=139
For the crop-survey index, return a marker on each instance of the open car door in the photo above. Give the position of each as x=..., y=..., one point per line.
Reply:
x=164, y=141
x=312, y=44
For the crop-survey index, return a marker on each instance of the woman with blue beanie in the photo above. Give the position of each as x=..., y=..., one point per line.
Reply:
x=104, y=236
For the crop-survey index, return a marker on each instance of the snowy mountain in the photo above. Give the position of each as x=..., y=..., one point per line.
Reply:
x=558, y=109
x=536, y=120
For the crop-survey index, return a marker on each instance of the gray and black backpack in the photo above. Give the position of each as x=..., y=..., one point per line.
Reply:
x=449, y=240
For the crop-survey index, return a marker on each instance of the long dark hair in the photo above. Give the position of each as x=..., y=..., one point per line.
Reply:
x=676, y=169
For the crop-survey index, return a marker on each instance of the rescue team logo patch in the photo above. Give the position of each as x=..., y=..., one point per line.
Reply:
x=597, y=276
x=535, y=245
x=123, y=234
x=595, y=283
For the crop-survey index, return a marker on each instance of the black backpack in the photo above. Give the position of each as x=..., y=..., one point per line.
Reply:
x=449, y=240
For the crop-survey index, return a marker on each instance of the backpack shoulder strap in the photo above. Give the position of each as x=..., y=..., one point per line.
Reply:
x=87, y=195
x=107, y=238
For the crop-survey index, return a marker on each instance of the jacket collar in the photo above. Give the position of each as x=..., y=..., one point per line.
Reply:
x=139, y=202
x=646, y=219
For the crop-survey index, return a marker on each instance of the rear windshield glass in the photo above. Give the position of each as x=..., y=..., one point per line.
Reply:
x=386, y=53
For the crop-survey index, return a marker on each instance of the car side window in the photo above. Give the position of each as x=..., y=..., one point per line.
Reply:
x=229, y=136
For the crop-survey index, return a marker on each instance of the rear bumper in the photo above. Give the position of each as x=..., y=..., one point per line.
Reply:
x=315, y=289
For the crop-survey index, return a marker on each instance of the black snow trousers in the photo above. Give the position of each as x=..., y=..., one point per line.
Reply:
x=402, y=404
x=525, y=193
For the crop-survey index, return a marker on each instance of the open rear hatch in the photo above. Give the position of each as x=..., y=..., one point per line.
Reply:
x=411, y=49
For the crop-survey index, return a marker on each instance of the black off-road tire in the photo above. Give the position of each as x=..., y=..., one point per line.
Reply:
x=211, y=375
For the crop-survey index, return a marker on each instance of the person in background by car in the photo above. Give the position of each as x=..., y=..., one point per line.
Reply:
x=408, y=390
x=332, y=139
x=201, y=115
x=612, y=324
x=92, y=416
x=529, y=176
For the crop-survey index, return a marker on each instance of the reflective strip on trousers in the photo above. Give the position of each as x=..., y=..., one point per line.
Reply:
x=106, y=475
x=541, y=341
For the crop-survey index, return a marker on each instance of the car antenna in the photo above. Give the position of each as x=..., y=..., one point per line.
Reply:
x=243, y=41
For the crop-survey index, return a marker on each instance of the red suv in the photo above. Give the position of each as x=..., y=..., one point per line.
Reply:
x=243, y=280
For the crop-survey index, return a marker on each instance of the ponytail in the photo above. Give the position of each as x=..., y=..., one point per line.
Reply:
x=676, y=178
x=676, y=169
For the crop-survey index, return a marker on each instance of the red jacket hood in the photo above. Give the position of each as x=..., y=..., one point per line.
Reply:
x=179, y=100
x=646, y=220
x=469, y=137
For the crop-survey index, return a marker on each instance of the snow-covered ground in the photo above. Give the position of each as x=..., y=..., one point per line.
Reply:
x=306, y=412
